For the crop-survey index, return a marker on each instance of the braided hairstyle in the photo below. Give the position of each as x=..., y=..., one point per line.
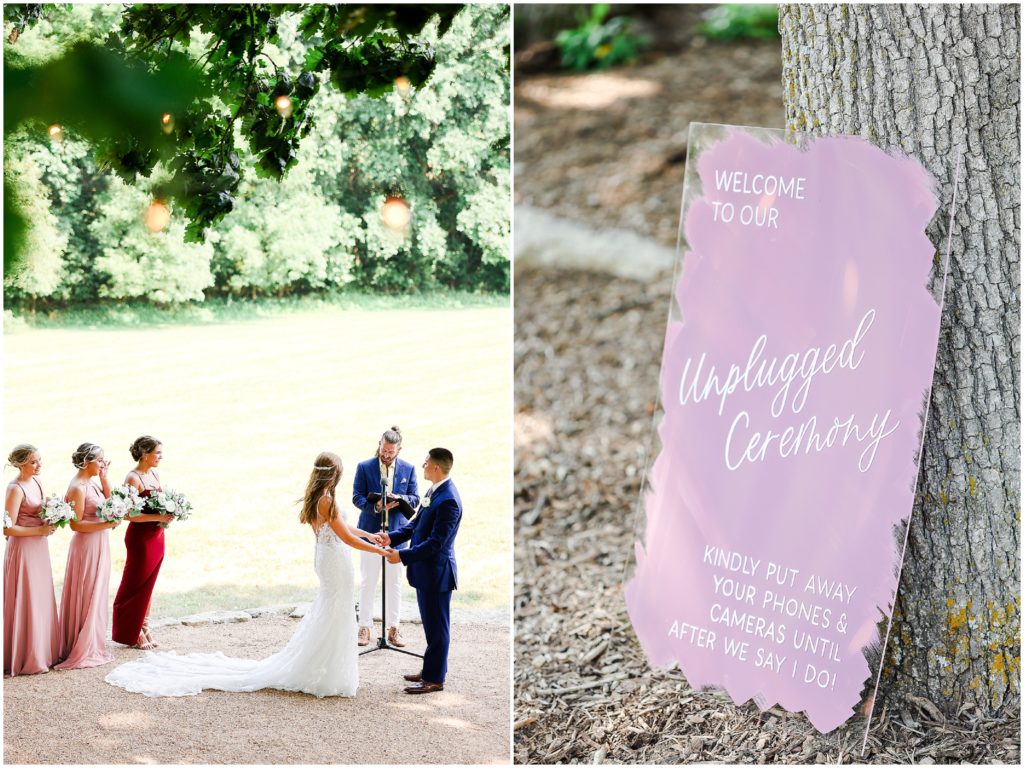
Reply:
x=85, y=453
x=325, y=477
x=21, y=454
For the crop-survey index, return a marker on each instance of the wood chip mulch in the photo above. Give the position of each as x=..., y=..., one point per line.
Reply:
x=586, y=368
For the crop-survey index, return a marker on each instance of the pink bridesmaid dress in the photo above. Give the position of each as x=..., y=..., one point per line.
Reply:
x=83, y=602
x=31, y=637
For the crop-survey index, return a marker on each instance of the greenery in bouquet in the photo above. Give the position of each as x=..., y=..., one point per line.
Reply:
x=169, y=502
x=57, y=512
x=124, y=502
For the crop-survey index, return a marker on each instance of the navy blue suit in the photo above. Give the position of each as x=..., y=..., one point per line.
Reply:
x=430, y=562
x=367, y=481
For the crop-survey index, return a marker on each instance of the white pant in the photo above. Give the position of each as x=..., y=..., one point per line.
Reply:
x=370, y=565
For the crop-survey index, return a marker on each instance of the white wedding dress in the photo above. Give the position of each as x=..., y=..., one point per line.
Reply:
x=320, y=659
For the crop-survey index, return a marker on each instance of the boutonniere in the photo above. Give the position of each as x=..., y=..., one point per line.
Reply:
x=424, y=502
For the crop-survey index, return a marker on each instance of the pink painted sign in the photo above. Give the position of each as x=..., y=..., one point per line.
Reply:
x=795, y=377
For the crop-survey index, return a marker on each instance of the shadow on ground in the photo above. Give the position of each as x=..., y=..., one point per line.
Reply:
x=76, y=717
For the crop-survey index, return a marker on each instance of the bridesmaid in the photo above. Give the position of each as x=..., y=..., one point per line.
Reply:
x=83, y=602
x=31, y=637
x=145, y=544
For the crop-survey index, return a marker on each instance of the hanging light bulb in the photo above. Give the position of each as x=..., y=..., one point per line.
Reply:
x=167, y=122
x=158, y=216
x=283, y=104
x=55, y=132
x=402, y=84
x=395, y=213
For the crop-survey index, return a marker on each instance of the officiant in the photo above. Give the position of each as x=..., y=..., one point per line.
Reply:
x=399, y=481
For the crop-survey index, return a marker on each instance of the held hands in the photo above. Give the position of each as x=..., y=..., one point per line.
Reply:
x=383, y=540
x=392, y=556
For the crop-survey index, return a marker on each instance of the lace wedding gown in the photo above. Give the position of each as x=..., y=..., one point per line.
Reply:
x=319, y=659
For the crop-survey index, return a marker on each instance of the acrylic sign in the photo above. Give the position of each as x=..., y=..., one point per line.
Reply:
x=796, y=372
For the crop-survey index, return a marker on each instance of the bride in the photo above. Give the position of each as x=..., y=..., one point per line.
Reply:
x=321, y=656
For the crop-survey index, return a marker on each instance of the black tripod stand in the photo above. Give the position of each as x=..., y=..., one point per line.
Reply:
x=382, y=641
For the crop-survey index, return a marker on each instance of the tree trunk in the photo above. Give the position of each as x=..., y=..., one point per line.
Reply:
x=935, y=81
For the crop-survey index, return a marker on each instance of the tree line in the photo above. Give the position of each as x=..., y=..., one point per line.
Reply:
x=440, y=149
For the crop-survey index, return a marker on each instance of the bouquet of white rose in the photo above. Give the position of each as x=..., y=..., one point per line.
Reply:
x=124, y=502
x=57, y=512
x=169, y=502
x=8, y=523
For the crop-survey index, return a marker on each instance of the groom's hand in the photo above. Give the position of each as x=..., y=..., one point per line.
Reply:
x=393, y=556
x=383, y=540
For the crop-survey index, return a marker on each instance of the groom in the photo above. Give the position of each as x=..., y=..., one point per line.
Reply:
x=431, y=565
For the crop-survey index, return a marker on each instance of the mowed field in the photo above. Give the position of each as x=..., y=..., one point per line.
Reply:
x=243, y=409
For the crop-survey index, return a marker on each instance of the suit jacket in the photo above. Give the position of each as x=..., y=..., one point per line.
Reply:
x=431, y=556
x=367, y=481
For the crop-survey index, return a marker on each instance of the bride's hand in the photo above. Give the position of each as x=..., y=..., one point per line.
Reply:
x=392, y=556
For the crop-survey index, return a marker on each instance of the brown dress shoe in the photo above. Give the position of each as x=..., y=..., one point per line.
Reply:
x=425, y=686
x=414, y=678
x=364, y=635
x=394, y=638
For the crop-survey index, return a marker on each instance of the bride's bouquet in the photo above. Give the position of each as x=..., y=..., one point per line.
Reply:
x=8, y=523
x=169, y=502
x=57, y=512
x=124, y=502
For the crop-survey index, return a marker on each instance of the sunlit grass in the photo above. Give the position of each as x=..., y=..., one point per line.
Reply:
x=140, y=314
x=244, y=407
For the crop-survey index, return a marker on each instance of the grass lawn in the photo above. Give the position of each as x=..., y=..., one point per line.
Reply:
x=244, y=406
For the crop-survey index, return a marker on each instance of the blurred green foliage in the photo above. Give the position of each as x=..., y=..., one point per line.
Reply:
x=223, y=49
x=736, y=21
x=443, y=146
x=89, y=90
x=599, y=42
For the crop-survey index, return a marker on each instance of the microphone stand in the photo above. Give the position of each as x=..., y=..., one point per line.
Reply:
x=382, y=641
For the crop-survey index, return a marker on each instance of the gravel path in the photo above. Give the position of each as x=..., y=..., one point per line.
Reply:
x=608, y=148
x=76, y=717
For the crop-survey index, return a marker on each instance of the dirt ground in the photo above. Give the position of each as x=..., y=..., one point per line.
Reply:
x=76, y=717
x=587, y=358
x=609, y=147
x=608, y=150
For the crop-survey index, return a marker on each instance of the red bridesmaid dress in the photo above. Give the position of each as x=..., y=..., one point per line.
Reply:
x=145, y=545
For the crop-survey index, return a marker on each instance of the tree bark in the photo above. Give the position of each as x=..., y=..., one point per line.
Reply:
x=934, y=81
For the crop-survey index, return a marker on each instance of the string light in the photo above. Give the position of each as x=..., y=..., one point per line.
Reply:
x=167, y=122
x=283, y=104
x=158, y=216
x=56, y=132
x=395, y=213
x=402, y=84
